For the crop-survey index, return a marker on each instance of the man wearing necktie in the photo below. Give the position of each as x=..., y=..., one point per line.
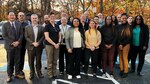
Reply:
x=87, y=19
x=12, y=34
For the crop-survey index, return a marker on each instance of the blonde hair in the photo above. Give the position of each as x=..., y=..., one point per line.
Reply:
x=94, y=28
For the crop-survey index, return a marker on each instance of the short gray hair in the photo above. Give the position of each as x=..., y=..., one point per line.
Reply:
x=35, y=15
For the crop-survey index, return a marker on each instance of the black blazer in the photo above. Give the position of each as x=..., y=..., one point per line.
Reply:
x=144, y=36
x=8, y=34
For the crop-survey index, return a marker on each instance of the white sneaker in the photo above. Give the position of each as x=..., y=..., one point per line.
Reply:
x=101, y=70
x=78, y=76
x=111, y=76
x=69, y=76
x=129, y=66
x=104, y=75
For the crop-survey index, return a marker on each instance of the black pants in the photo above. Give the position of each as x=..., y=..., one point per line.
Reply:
x=13, y=60
x=22, y=55
x=135, y=51
x=63, y=51
x=74, y=61
x=115, y=54
x=82, y=56
x=93, y=55
x=99, y=62
x=35, y=54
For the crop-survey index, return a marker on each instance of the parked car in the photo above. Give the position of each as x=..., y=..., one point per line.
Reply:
x=1, y=24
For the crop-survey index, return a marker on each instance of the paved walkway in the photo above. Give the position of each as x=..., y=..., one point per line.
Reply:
x=131, y=79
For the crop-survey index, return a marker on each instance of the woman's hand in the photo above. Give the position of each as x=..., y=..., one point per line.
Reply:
x=92, y=48
x=144, y=48
x=69, y=50
x=120, y=47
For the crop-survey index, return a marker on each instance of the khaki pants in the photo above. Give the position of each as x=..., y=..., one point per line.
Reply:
x=52, y=56
x=123, y=58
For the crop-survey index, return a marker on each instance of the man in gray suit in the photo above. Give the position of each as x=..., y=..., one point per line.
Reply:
x=34, y=36
x=12, y=34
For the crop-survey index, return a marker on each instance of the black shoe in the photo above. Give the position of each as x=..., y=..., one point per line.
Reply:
x=83, y=67
x=131, y=71
x=139, y=74
x=61, y=73
x=86, y=76
x=31, y=77
x=9, y=79
x=45, y=67
x=94, y=75
x=121, y=73
x=40, y=75
x=124, y=75
x=51, y=78
x=54, y=77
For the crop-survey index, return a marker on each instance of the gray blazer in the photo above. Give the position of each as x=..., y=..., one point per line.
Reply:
x=29, y=36
x=69, y=38
x=8, y=34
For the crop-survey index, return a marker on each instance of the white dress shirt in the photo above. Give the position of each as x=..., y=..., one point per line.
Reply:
x=35, y=30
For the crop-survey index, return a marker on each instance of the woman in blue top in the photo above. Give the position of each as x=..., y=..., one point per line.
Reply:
x=140, y=38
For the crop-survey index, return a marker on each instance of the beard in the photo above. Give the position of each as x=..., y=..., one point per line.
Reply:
x=46, y=22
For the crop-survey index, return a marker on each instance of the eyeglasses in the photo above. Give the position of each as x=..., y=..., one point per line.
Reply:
x=21, y=15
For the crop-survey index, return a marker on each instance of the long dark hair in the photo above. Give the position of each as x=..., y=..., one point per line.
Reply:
x=105, y=25
x=116, y=21
x=80, y=24
x=110, y=25
x=135, y=21
x=127, y=27
x=81, y=30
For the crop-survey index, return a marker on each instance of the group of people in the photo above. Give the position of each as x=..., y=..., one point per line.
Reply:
x=73, y=41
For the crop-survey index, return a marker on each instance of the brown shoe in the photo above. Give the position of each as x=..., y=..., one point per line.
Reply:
x=8, y=79
x=19, y=76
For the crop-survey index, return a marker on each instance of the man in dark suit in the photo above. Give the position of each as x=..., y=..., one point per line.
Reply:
x=87, y=19
x=34, y=36
x=12, y=34
x=21, y=19
x=63, y=14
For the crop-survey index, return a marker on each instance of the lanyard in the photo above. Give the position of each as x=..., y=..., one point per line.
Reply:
x=63, y=29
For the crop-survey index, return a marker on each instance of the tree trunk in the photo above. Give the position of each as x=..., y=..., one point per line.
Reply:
x=101, y=6
x=127, y=11
x=32, y=9
x=0, y=10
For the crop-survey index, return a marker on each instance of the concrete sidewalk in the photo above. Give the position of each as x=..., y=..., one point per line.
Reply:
x=131, y=79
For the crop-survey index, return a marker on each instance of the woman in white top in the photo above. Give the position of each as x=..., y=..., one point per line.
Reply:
x=74, y=43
